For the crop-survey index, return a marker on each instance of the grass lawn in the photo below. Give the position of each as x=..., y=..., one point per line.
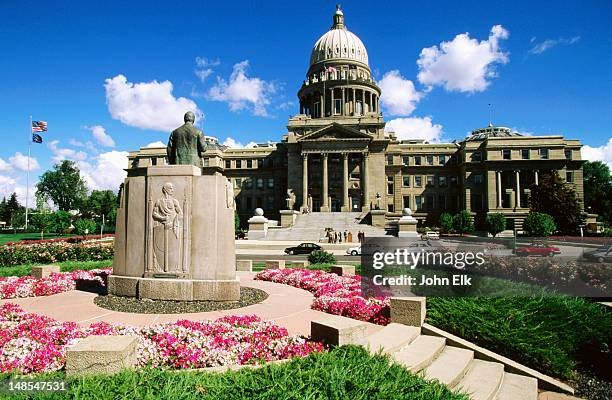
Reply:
x=9, y=237
x=65, y=266
x=347, y=372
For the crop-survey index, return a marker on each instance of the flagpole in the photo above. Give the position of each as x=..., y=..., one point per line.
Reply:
x=28, y=173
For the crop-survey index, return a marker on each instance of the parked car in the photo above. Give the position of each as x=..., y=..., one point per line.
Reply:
x=430, y=235
x=368, y=248
x=537, y=249
x=602, y=254
x=303, y=248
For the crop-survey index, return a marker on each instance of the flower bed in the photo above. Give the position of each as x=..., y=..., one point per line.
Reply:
x=35, y=343
x=27, y=286
x=36, y=253
x=339, y=295
x=69, y=239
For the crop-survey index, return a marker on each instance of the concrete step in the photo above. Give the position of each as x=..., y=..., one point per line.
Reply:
x=483, y=380
x=420, y=353
x=518, y=387
x=450, y=366
x=392, y=338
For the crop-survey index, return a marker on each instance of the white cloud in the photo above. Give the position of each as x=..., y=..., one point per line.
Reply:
x=601, y=153
x=233, y=144
x=20, y=162
x=204, y=62
x=146, y=105
x=159, y=143
x=463, y=64
x=106, y=172
x=60, y=153
x=415, y=128
x=7, y=185
x=99, y=133
x=399, y=96
x=547, y=44
x=4, y=166
x=242, y=92
x=202, y=74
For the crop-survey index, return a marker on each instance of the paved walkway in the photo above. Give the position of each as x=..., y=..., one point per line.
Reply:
x=285, y=305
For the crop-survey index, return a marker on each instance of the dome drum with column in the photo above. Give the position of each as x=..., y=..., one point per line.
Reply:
x=339, y=81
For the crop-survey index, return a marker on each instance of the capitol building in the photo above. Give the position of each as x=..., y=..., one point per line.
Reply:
x=337, y=157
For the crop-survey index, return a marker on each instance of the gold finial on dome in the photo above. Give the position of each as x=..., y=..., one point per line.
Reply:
x=338, y=18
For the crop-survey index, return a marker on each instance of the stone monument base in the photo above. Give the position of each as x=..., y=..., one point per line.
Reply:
x=174, y=289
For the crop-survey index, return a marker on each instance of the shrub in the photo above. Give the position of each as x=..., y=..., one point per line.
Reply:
x=85, y=226
x=446, y=222
x=54, y=252
x=495, y=223
x=539, y=224
x=462, y=222
x=321, y=257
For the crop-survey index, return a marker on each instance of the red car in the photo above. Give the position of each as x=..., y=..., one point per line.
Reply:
x=537, y=249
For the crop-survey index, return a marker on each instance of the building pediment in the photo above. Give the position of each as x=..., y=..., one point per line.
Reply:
x=335, y=131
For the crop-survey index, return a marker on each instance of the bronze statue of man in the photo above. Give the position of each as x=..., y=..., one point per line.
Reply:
x=186, y=143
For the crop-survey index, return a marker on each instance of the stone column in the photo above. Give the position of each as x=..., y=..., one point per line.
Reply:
x=304, y=181
x=354, y=102
x=345, y=184
x=322, y=108
x=537, y=180
x=325, y=194
x=499, y=190
x=331, y=111
x=343, y=102
x=518, y=189
x=365, y=186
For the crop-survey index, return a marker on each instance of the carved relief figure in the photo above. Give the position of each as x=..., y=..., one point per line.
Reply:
x=290, y=199
x=167, y=233
x=229, y=194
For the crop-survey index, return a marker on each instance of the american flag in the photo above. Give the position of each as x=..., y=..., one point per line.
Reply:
x=330, y=69
x=39, y=126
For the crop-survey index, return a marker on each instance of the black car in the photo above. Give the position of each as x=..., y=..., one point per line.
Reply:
x=303, y=248
x=602, y=254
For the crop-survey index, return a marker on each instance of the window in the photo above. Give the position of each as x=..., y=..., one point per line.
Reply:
x=544, y=153
x=260, y=184
x=405, y=161
x=355, y=175
x=442, y=181
x=237, y=183
x=390, y=207
x=389, y=160
x=389, y=185
x=259, y=163
x=337, y=105
x=568, y=154
x=406, y=201
x=525, y=154
x=477, y=201
x=417, y=160
x=270, y=202
x=406, y=181
x=429, y=160
x=478, y=179
x=238, y=163
x=506, y=154
x=270, y=183
x=249, y=203
x=430, y=180
x=206, y=162
x=249, y=163
x=477, y=156
x=442, y=202
x=569, y=176
x=228, y=164
x=442, y=159
x=453, y=180
x=418, y=201
x=248, y=184
x=429, y=202
x=270, y=162
x=418, y=181
x=316, y=110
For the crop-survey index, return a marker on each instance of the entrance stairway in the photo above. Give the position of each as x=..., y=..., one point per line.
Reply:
x=458, y=368
x=312, y=226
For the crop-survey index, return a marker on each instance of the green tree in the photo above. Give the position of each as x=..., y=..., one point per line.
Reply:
x=598, y=190
x=446, y=222
x=539, y=224
x=61, y=221
x=9, y=208
x=236, y=221
x=85, y=226
x=99, y=203
x=63, y=185
x=554, y=197
x=42, y=221
x=495, y=223
x=4, y=215
x=463, y=223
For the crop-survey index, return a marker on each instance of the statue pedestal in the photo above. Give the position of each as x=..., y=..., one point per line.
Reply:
x=378, y=218
x=258, y=225
x=407, y=225
x=175, y=236
x=288, y=218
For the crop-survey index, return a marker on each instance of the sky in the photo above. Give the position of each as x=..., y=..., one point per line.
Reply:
x=111, y=77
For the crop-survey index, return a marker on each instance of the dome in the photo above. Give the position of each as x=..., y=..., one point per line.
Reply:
x=490, y=131
x=339, y=44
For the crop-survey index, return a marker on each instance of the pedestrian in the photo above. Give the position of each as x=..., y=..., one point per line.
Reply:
x=350, y=237
x=345, y=235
